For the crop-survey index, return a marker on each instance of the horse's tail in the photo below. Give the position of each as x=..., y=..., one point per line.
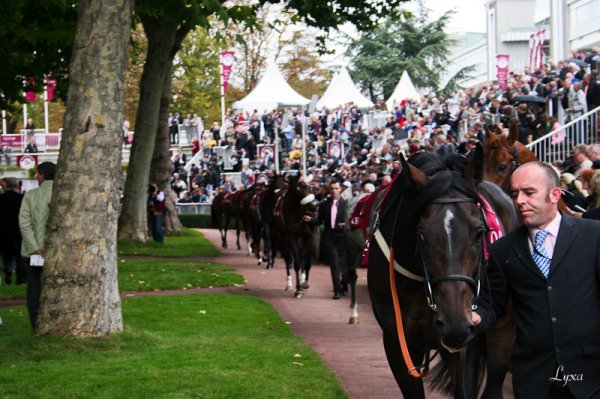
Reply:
x=440, y=377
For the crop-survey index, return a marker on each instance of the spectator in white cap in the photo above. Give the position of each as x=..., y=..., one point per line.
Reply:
x=347, y=193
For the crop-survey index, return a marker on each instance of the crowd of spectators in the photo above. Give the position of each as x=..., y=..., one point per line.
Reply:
x=373, y=139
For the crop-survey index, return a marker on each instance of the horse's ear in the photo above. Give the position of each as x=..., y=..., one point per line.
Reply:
x=414, y=174
x=474, y=170
x=489, y=131
x=513, y=131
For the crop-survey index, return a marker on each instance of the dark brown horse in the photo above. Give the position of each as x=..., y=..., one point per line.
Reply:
x=292, y=205
x=432, y=227
x=227, y=206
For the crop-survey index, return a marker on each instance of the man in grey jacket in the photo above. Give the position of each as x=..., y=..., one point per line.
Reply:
x=32, y=221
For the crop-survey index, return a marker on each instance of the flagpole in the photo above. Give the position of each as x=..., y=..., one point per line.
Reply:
x=4, y=122
x=222, y=91
x=46, y=106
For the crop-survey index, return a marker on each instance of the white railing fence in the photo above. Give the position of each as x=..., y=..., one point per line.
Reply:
x=557, y=145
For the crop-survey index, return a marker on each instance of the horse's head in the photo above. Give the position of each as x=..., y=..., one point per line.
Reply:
x=449, y=227
x=299, y=193
x=503, y=155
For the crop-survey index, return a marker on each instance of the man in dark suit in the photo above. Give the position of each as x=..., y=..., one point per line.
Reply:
x=331, y=214
x=550, y=267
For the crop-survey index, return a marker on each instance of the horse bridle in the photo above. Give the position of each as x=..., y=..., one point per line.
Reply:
x=514, y=152
x=473, y=282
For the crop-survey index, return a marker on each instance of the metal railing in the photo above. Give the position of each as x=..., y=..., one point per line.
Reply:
x=192, y=209
x=557, y=145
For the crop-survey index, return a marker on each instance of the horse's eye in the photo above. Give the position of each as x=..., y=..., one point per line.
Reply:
x=501, y=168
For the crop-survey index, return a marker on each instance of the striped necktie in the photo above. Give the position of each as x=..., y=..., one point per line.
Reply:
x=540, y=256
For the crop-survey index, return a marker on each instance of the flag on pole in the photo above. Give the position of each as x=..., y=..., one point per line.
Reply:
x=531, y=50
x=50, y=88
x=541, y=36
x=226, y=66
x=29, y=84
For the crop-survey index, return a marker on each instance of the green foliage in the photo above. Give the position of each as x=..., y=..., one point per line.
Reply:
x=37, y=38
x=412, y=43
x=190, y=243
x=196, y=221
x=196, y=81
x=192, y=346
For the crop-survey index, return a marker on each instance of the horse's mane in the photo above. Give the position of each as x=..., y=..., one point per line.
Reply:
x=405, y=204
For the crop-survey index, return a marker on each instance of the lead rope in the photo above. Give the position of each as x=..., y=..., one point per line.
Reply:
x=412, y=370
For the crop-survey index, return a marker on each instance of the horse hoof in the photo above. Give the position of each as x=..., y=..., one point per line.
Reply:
x=354, y=320
x=288, y=287
x=306, y=285
x=298, y=294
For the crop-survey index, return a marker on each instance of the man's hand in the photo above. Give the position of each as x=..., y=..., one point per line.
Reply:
x=475, y=318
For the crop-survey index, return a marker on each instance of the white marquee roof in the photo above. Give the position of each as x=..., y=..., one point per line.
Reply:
x=404, y=90
x=342, y=90
x=272, y=91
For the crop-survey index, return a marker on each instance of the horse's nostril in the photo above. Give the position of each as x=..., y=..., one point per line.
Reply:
x=439, y=323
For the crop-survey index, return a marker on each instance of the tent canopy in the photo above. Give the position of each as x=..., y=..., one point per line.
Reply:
x=405, y=90
x=271, y=92
x=341, y=90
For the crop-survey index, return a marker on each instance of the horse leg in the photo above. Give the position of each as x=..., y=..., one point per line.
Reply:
x=306, y=264
x=288, y=265
x=297, y=268
x=237, y=233
x=352, y=279
x=499, y=341
x=411, y=387
x=225, y=227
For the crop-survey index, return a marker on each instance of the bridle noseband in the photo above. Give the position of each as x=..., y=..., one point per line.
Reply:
x=474, y=282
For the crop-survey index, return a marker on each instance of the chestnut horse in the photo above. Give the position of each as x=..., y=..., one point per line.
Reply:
x=503, y=155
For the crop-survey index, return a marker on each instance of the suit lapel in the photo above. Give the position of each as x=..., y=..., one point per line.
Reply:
x=521, y=247
x=566, y=236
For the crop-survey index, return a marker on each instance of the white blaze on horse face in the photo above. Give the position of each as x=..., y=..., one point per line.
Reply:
x=447, y=219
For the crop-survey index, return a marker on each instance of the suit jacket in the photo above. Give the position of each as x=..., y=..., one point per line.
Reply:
x=10, y=234
x=325, y=214
x=557, y=319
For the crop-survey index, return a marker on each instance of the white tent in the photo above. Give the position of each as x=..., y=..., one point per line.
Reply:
x=341, y=90
x=271, y=92
x=405, y=90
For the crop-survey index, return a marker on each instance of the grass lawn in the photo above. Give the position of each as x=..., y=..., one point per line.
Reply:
x=190, y=243
x=192, y=346
x=154, y=275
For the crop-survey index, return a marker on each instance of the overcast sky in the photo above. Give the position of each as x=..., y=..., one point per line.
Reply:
x=469, y=15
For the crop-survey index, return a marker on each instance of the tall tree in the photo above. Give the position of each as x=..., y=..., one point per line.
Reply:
x=303, y=68
x=410, y=43
x=80, y=296
x=196, y=79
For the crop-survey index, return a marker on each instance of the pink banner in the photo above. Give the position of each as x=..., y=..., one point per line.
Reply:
x=50, y=88
x=502, y=68
x=540, y=50
x=226, y=66
x=29, y=84
x=11, y=140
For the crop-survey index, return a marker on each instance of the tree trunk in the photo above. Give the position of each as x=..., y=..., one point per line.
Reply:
x=80, y=295
x=160, y=170
x=161, y=39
